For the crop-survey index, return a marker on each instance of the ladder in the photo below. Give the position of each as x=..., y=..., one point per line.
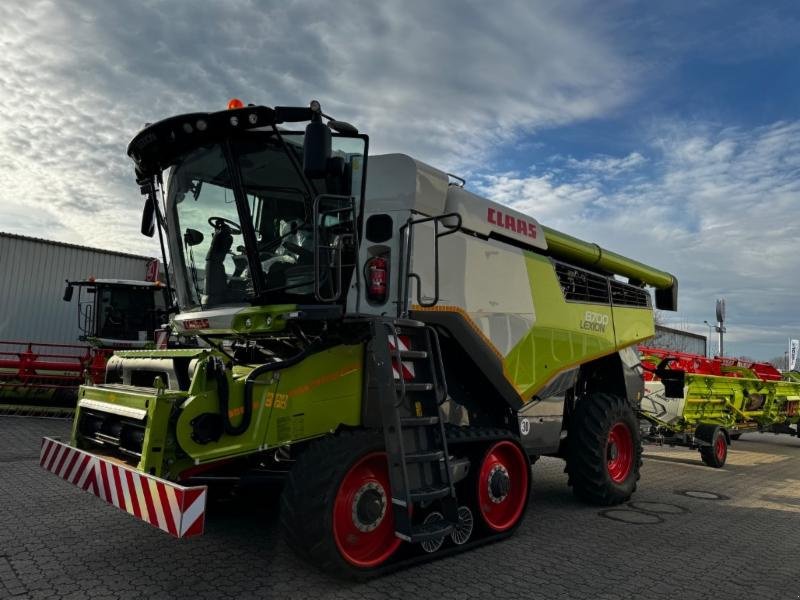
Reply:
x=420, y=469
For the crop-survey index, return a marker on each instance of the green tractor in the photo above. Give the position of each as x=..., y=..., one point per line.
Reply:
x=395, y=348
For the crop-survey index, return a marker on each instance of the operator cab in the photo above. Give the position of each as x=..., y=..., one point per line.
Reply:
x=118, y=313
x=254, y=215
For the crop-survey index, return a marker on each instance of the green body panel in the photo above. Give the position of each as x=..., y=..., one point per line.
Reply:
x=262, y=319
x=245, y=321
x=308, y=399
x=317, y=395
x=567, y=334
x=300, y=401
x=158, y=449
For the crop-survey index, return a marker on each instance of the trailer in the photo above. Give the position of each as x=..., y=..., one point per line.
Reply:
x=394, y=348
x=706, y=403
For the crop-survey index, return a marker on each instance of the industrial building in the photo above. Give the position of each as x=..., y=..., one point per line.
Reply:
x=678, y=340
x=34, y=271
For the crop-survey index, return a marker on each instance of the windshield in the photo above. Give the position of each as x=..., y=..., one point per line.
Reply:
x=129, y=313
x=209, y=229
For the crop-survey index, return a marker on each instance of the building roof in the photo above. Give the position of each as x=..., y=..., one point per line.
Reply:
x=75, y=246
x=680, y=332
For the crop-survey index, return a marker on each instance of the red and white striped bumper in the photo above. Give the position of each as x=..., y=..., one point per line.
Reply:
x=178, y=510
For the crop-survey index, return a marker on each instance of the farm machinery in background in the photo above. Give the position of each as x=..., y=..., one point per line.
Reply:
x=705, y=403
x=397, y=349
x=112, y=314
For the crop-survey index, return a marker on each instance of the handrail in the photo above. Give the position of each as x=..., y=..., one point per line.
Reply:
x=405, y=273
x=336, y=251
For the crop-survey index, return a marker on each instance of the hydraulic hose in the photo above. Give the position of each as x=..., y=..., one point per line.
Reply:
x=216, y=369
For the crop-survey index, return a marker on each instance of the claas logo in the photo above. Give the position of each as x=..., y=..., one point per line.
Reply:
x=515, y=224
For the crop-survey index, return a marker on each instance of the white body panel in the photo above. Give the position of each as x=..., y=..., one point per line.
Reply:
x=656, y=404
x=487, y=217
x=486, y=278
x=398, y=182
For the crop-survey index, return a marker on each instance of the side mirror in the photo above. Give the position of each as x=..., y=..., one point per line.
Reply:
x=316, y=149
x=68, y=292
x=149, y=217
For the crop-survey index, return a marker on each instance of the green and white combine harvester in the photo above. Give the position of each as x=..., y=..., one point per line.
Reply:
x=396, y=348
x=705, y=403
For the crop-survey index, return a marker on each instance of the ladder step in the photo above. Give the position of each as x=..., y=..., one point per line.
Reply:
x=409, y=323
x=433, y=530
x=420, y=457
x=426, y=494
x=414, y=387
x=418, y=421
x=413, y=354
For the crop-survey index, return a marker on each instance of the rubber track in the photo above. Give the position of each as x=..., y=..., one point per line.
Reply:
x=586, y=454
x=305, y=498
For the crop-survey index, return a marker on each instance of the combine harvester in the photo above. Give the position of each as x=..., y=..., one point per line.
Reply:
x=112, y=314
x=396, y=348
x=705, y=403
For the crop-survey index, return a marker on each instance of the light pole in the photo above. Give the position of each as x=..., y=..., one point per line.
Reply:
x=708, y=339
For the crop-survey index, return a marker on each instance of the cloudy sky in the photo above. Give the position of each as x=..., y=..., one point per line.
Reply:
x=667, y=131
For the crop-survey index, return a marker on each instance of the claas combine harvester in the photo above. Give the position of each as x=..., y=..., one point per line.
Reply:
x=112, y=314
x=705, y=403
x=395, y=347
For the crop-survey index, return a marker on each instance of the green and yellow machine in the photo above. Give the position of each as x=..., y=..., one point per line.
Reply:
x=396, y=348
x=705, y=403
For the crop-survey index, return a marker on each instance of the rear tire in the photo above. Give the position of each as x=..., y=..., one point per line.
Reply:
x=336, y=506
x=604, y=451
x=735, y=436
x=716, y=454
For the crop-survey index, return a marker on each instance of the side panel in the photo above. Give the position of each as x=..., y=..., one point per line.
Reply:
x=485, y=279
x=566, y=334
x=632, y=325
x=304, y=400
x=316, y=396
x=514, y=300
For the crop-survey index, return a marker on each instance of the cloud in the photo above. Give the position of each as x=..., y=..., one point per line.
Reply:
x=445, y=81
x=607, y=166
x=715, y=209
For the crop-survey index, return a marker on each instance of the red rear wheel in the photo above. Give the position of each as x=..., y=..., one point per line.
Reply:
x=503, y=481
x=715, y=453
x=720, y=448
x=619, y=452
x=363, y=522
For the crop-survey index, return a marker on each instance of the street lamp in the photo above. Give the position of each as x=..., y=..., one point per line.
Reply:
x=708, y=339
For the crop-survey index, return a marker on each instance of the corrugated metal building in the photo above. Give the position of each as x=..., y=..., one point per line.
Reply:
x=680, y=341
x=32, y=272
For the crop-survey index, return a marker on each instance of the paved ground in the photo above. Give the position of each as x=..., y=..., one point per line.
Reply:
x=58, y=542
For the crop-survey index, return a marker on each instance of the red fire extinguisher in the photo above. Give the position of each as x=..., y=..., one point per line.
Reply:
x=376, y=279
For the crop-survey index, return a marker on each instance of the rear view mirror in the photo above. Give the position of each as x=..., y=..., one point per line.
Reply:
x=192, y=237
x=68, y=292
x=149, y=217
x=316, y=149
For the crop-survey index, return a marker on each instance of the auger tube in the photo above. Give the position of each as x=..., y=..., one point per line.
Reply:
x=566, y=247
